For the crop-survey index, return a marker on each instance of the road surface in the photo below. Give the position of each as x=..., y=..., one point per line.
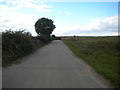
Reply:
x=52, y=66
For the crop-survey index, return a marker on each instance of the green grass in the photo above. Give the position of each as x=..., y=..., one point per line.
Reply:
x=99, y=52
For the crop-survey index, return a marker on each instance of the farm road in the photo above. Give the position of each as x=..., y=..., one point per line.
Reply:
x=52, y=66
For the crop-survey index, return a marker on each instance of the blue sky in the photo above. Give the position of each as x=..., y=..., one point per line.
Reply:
x=70, y=18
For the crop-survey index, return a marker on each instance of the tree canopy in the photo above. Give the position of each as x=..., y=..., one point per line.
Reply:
x=44, y=26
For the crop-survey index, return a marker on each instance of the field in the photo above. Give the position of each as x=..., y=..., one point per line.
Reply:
x=99, y=52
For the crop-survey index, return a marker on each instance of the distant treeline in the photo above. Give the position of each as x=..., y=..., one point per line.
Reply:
x=16, y=44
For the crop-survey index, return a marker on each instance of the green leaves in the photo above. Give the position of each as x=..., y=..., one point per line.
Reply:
x=16, y=44
x=44, y=26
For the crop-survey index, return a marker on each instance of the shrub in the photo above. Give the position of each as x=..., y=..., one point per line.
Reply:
x=16, y=44
x=44, y=38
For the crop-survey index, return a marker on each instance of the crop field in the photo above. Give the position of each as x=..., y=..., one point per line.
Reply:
x=99, y=52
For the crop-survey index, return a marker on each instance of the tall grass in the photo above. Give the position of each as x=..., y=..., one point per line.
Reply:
x=100, y=52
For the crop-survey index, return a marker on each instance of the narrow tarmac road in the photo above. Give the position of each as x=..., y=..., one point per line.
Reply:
x=52, y=66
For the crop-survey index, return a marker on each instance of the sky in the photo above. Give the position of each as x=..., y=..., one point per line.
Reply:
x=70, y=18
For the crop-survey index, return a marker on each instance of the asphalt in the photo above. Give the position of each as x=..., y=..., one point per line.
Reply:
x=52, y=66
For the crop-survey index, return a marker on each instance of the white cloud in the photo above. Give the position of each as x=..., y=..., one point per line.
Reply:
x=11, y=18
x=43, y=8
x=105, y=23
x=99, y=27
x=38, y=5
x=17, y=20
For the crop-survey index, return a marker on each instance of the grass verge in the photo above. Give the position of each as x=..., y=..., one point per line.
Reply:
x=99, y=52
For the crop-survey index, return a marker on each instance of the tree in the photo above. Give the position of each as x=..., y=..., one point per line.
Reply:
x=44, y=26
x=53, y=36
